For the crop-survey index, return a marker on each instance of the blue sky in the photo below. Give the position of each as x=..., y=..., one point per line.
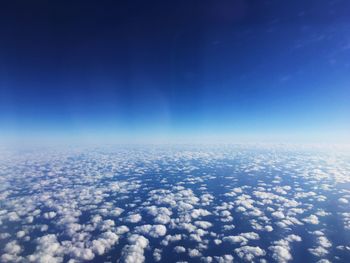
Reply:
x=262, y=70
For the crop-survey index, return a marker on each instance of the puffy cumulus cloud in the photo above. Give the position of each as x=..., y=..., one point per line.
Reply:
x=278, y=215
x=170, y=239
x=12, y=251
x=48, y=250
x=248, y=253
x=99, y=246
x=288, y=222
x=240, y=209
x=295, y=211
x=116, y=211
x=228, y=227
x=225, y=213
x=321, y=212
x=235, y=239
x=250, y=235
x=280, y=253
x=133, y=218
x=13, y=217
x=154, y=231
x=162, y=219
x=207, y=259
x=4, y=235
x=312, y=219
x=197, y=235
x=323, y=245
x=318, y=251
x=155, y=211
x=304, y=195
x=203, y=224
x=217, y=241
x=81, y=253
x=49, y=215
x=343, y=201
x=346, y=220
x=72, y=228
x=186, y=226
x=344, y=248
x=206, y=199
x=224, y=259
x=122, y=230
x=245, y=201
x=157, y=254
x=20, y=234
x=103, y=244
x=268, y=228
x=193, y=253
x=196, y=213
x=106, y=225
x=281, y=248
x=242, y=238
x=10, y=258
x=293, y=238
x=324, y=242
x=134, y=252
x=82, y=198
x=180, y=249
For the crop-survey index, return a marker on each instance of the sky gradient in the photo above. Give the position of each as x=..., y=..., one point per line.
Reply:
x=268, y=70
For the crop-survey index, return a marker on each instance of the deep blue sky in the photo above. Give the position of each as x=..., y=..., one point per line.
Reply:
x=262, y=69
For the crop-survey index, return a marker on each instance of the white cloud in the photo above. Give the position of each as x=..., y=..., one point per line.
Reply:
x=278, y=215
x=84, y=254
x=199, y=213
x=268, y=228
x=217, y=241
x=122, y=230
x=318, y=251
x=116, y=211
x=134, y=252
x=248, y=253
x=162, y=219
x=203, y=224
x=242, y=238
x=193, y=253
x=207, y=259
x=312, y=219
x=151, y=230
x=4, y=235
x=293, y=238
x=88, y=200
x=49, y=215
x=228, y=227
x=170, y=239
x=224, y=259
x=106, y=241
x=324, y=242
x=10, y=258
x=157, y=254
x=280, y=253
x=179, y=249
x=133, y=218
x=13, y=248
x=281, y=248
x=20, y=234
x=236, y=239
x=250, y=235
x=13, y=217
x=343, y=201
x=48, y=250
